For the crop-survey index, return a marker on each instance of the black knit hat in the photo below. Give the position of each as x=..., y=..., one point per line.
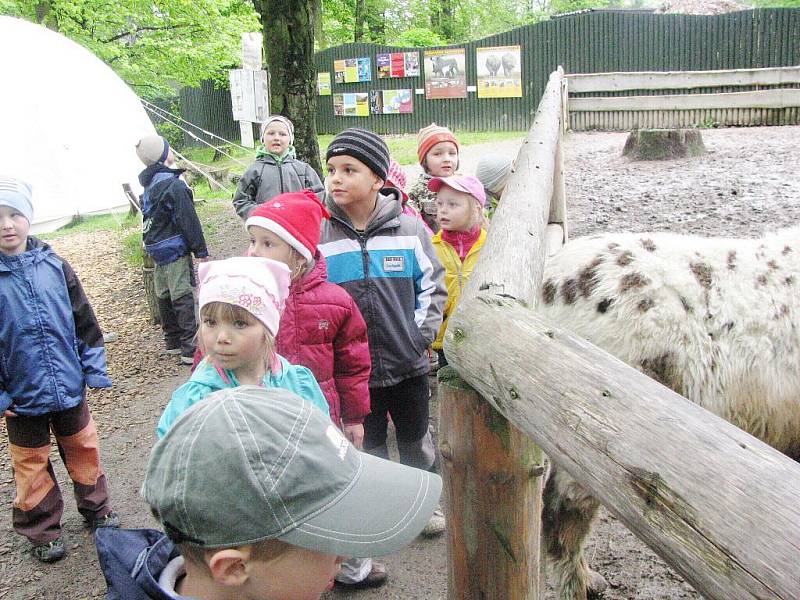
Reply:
x=364, y=145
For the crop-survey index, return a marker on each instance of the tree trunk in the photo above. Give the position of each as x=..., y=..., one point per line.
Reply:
x=442, y=19
x=289, y=44
x=360, y=18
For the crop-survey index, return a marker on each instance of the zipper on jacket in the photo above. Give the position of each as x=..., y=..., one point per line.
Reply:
x=280, y=175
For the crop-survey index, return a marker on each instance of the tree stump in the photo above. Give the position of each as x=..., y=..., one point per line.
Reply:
x=663, y=144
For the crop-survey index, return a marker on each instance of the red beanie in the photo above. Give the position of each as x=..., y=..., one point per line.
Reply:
x=429, y=136
x=295, y=217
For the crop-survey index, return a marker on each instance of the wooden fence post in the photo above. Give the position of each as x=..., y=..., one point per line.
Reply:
x=493, y=498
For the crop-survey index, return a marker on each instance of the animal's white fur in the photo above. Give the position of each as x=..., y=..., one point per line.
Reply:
x=715, y=319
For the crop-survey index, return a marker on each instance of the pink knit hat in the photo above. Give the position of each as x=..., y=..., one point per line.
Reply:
x=396, y=178
x=258, y=285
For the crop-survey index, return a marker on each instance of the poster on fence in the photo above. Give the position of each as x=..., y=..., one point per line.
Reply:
x=323, y=84
x=445, y=74
x=398, y=64
x=352, y=70
x=391, y=102
x=499, y=72
x=351, y=105
x=338, y=71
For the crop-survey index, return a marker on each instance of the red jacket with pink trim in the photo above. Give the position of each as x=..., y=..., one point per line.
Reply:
x=322, y=329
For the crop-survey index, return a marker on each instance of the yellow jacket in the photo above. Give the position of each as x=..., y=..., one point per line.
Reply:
x=456, y=275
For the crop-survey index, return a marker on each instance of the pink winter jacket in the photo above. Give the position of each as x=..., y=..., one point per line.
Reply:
x=322, y=329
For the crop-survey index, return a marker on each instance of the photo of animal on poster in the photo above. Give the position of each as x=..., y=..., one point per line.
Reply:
x=445, y=73
x=499, y=72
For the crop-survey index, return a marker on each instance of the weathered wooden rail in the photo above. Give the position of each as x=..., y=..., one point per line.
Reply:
x=768, y=96
x=714, y=502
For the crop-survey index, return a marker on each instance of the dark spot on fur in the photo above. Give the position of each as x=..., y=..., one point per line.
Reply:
x=703, y=273
x=648, y=245
x=632, y=281
x=732, y=260
x=789, y=280
x=786, y=250
x=604, y=305
x=549, y=290
x=664, y=370
x=569, y=290
x=587, y=278
x=646, y=304
x=761, y=280
x=613, y=245
x=773, y=266
x=783, y=311
x=686, y=306
x=728, y=326
x=625, y=258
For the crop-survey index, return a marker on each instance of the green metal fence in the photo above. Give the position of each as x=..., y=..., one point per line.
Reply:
x=589, y=42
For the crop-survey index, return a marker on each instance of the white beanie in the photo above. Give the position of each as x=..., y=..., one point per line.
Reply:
x=493, y=172
x=17, y=194
x=280, y=119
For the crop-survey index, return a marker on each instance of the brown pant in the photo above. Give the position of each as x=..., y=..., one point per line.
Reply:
x=38, y=505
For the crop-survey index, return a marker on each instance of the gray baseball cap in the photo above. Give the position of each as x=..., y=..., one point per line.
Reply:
x=248, y=464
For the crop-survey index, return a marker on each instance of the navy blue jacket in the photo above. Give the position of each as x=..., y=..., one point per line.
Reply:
x=132, y=561
x=170, y=228
x=51, y=346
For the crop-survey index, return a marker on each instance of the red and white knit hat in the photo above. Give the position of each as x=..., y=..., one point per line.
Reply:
x=295, y=217
x=429, y=136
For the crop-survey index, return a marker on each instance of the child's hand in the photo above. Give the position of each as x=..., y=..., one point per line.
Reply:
x=8, y=413
x=355, y=433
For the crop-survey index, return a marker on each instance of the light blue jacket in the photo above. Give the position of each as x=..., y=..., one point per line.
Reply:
x=206, y=380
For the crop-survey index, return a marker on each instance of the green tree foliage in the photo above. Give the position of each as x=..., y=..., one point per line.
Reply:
x=155, y=46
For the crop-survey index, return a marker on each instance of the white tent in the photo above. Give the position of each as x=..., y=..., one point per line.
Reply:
x=68, y=125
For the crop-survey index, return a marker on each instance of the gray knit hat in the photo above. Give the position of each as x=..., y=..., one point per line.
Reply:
x=17, y=194
x=363, y=145
x=280, y=119
x=249, y=463
x=493, y=172
x=152, y=149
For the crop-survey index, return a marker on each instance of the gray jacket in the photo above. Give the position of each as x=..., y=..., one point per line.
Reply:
x=265, y=179
x=392, y=272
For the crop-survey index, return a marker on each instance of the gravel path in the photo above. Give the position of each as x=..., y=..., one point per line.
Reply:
x=746, y=184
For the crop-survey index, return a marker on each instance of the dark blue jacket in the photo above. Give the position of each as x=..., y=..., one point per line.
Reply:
x=132, y=561
x=170, y=228
x=51, y=346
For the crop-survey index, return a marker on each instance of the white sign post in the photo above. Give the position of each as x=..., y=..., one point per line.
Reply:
x=250, y=88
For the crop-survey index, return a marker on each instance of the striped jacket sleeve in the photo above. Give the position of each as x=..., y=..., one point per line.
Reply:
x=429, y=289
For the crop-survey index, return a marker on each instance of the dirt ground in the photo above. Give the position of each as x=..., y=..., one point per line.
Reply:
x=746, y=184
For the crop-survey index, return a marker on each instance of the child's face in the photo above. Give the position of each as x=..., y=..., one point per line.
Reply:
x=298, y=574
x=276, y=138
x=266, y=244
x=455, y=211
x=351, y=182
x=14, y=228
x=442, y=159
x=234, y=344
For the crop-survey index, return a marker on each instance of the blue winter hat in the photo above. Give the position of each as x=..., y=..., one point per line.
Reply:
x=17, y=194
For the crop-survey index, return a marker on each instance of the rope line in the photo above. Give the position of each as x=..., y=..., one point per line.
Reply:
x=199, y=139
x=178, y=117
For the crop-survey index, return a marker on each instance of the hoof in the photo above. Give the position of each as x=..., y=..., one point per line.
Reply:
x=596, y=585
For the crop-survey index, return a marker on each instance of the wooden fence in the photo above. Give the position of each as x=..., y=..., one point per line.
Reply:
x=684, y=99
x=715, y=503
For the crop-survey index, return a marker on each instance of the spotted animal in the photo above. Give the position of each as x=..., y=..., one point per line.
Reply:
x=717, y=320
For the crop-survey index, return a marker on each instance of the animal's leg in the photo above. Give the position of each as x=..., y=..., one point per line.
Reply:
x=568, y=513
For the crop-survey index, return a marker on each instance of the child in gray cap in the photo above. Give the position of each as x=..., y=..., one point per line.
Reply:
x=260, y=496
